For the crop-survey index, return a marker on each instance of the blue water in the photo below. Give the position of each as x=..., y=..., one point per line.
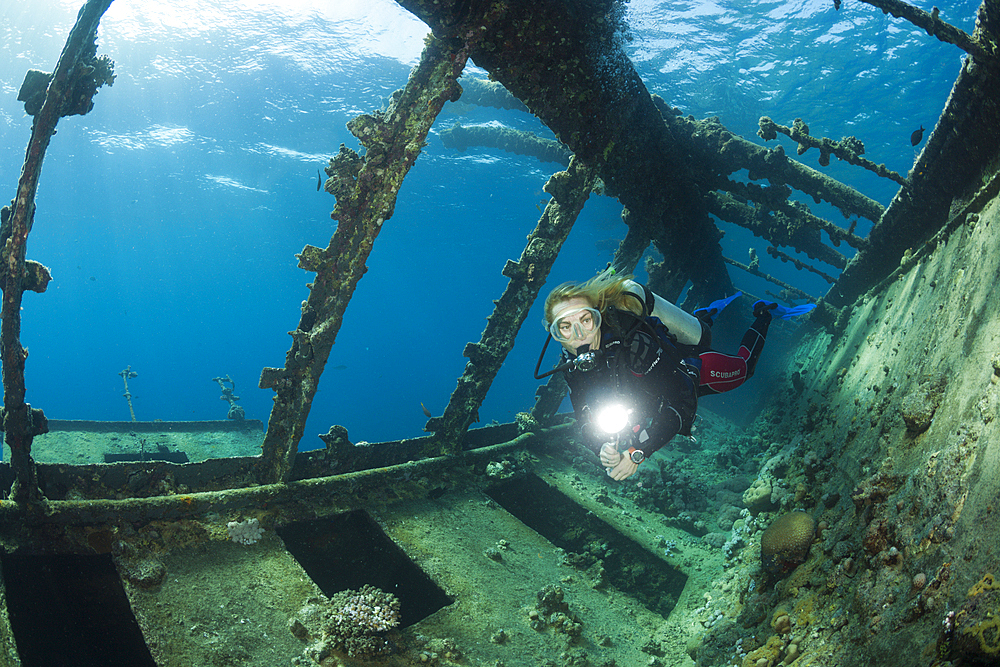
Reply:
x=170, y=214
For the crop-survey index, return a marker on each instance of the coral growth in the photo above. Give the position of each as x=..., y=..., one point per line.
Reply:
x=245, y=532
x=978, y=622
x=525, y=422
x=758, y=497
x=552, y=610
x=236, y=412
x=369, y=609
x=785, y=544
x=351, y=622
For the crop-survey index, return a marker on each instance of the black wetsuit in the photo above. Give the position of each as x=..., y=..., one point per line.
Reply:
x=640, y=367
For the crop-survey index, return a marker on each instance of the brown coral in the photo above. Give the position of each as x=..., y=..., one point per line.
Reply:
x=785, y=544
x=876, y=537
x=874, y=491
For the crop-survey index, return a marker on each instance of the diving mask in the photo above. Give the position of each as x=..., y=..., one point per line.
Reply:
x=575, y=324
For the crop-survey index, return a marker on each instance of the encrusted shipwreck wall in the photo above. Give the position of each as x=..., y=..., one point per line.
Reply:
x=890, y=418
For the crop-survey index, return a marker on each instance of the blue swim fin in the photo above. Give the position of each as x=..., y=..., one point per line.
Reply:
x=784, y=312
x=714, y=308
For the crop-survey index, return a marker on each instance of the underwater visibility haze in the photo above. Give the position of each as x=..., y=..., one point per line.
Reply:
x=210, y=219
x=170, y=215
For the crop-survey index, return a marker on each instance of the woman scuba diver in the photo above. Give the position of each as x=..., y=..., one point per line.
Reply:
x=636, y=363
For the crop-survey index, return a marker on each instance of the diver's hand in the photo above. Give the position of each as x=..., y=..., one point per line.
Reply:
x=610, y=456
x=625, y=469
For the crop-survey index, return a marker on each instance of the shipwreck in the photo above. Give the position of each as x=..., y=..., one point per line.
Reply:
x=498, y=545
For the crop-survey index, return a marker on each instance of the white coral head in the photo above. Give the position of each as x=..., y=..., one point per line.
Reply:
x=245, y=532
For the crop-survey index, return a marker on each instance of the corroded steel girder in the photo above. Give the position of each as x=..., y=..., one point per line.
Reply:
x=570, y=190
x=21, y=422
x=961, y=150
x=564, y=60
x=366, y=189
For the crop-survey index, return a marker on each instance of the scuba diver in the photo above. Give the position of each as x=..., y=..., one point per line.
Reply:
x=636, y=363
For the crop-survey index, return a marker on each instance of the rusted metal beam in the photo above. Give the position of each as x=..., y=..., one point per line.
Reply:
x=934, y=26
x=848, y=149
x=717, y=151
x=570, y=190
x=781, y=226
x=284, y=502
x=366, y=189
x=21, y=422
x=565, y=61
x=959, y=151
x=794, y=292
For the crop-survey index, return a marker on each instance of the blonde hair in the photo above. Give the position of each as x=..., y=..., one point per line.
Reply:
x=605, y=289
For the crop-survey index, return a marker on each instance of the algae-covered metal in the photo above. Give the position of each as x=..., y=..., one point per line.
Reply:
x=366, y=190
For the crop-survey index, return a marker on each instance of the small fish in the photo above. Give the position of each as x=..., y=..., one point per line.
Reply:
x=319, y=180
x=917, y=136
x=427, y=413
x=341, y=367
